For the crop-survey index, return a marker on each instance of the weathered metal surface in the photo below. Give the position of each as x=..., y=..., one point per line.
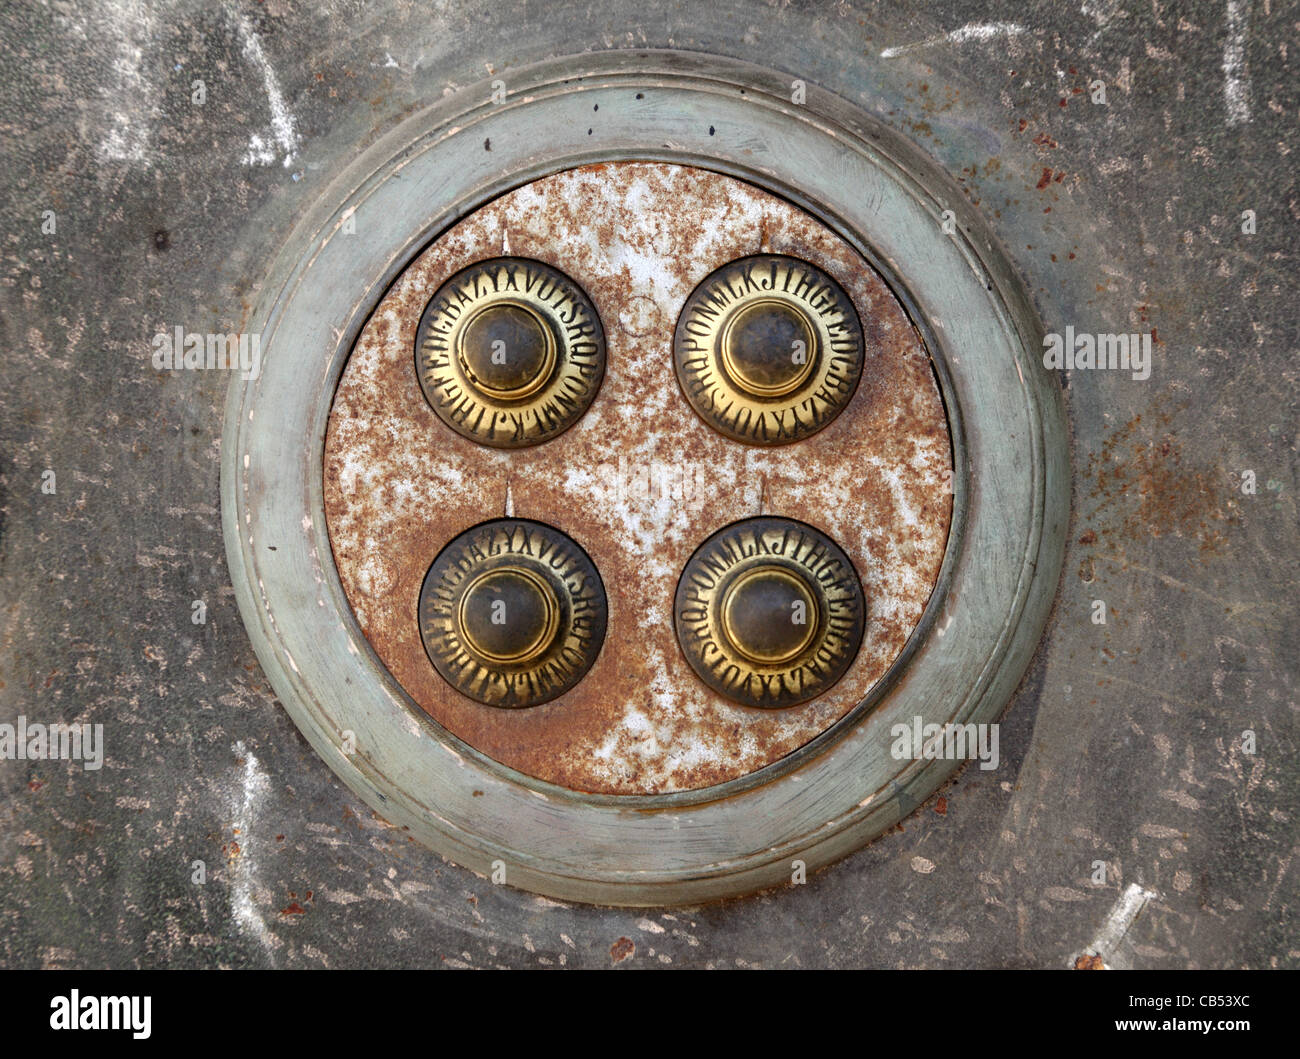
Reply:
x=640, y=481
x=768, y=350
x=769, y=612
x=512, y=613
x=1140, y=772
x=977, y=631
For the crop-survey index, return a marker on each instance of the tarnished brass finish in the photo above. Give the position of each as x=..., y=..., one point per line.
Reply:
x=528, y=601
x=506, y=326
x=769, y=612
x=512, y=613
x=768, y=349
x=509, y=352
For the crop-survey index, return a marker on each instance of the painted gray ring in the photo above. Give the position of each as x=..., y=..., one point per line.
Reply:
x=999, y=576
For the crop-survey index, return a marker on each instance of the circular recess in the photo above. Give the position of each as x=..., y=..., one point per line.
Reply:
x=512, y=613
x=768, y=349
x=641, y=479
x=973, y=327
x=510, y=352
x=769, y=612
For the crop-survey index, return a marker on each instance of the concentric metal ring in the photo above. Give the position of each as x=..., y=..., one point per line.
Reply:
x=1010, y=456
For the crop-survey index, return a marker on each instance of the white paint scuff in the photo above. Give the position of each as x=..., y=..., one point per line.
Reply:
x=970, y=31
x=252, y=786
x=130, y=95
x=1117, y=924
x=1236, y=82
x=283, y=130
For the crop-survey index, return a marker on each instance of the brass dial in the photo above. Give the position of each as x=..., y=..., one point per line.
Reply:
x=510, y=352
x=512, y=613
x=769, y=612
x=768, y=350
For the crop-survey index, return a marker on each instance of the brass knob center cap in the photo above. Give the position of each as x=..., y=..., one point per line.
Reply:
x=769, y=612
x=509, y=614
x=507, y=351
x=768, y=348
x=512, y=613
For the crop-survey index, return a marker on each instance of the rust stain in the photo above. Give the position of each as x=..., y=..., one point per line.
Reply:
x=622, y=950
x=640, y=481
x=1143, y=487
x=1089, y=962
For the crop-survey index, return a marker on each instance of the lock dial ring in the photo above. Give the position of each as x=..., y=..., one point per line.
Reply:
x=510, y=352
x=512, y=613
x=768, y=349
x=769, y=612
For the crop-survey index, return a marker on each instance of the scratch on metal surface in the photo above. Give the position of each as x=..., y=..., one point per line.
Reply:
x=1236, y=83
x=970, y=31
x=283, y=128
x=253, y=784
x=1117, y=924
x=131, y=96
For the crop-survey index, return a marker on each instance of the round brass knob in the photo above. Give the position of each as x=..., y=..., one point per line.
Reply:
x=765, y=615
x=512, y=613
x=507, y=351
x=768, y=349
x=510, y=352
x=509, y=615
x=760, y=345
x=769, y=612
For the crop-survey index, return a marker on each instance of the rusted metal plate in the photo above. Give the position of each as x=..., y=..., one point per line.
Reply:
x=640, y=481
